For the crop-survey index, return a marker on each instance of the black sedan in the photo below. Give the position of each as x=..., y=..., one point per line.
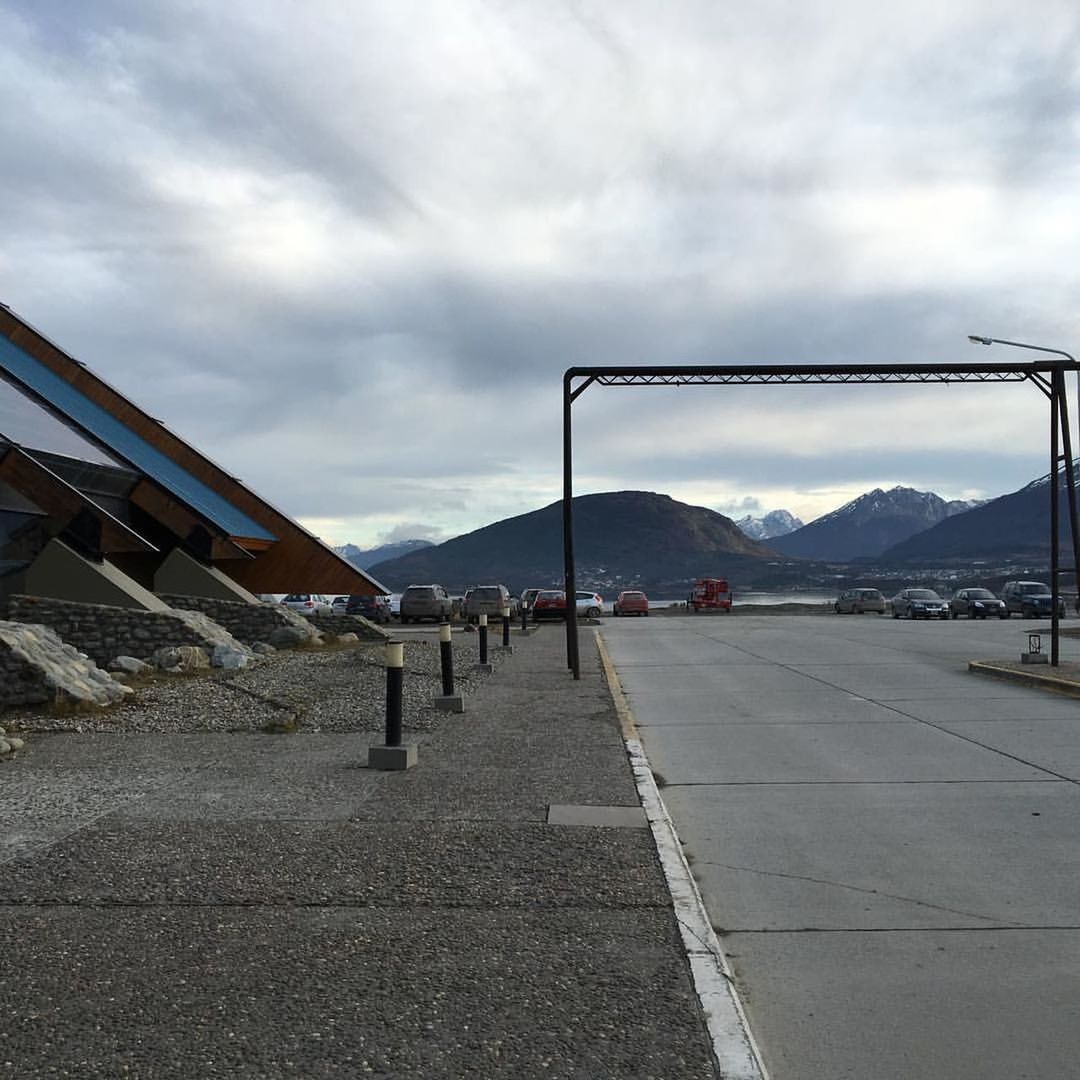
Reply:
x=977, y=604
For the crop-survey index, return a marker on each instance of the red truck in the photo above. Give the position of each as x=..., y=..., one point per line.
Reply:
x=709, y=593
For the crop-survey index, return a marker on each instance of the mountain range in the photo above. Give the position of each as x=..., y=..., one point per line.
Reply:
x=643, y=539
x=626, y=538
x=869, y=525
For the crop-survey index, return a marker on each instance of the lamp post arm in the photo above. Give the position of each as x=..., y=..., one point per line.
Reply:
x=1019, y=345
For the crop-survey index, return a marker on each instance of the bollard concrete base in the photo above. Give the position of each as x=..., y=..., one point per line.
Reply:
x=505, y=649
x=487, y=669
x=449, y=702
x=1034, y=658
x=392, y=758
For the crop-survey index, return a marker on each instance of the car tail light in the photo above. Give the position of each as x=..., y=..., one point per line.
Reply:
x=309, y=603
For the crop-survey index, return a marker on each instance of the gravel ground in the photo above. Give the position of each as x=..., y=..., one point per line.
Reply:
x=329, y=689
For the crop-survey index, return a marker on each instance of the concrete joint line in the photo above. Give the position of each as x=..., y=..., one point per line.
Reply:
x=736, y=1053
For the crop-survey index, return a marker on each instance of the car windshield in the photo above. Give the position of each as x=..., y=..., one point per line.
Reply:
x=487, y=592
x=1031, y=588
x=418, y=592
x=980, y=594
x=867, y=593
x=549, y=596
x=633, y=596
x=922, y=594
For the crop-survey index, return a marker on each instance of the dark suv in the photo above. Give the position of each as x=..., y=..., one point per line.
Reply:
x=1030, y=598
x=375, y=608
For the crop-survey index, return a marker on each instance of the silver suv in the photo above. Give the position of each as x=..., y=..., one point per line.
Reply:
x=425, y=602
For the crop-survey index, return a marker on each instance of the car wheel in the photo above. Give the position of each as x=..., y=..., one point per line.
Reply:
x=955, y=615
x=645, y=613
x=592, y=613
x=1027, y=613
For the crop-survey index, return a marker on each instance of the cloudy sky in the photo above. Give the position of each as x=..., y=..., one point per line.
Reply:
x=347, y=249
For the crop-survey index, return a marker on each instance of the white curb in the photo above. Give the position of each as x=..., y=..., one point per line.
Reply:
x=736, y=1053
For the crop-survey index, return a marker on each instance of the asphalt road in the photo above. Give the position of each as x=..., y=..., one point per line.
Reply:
x=888, y=845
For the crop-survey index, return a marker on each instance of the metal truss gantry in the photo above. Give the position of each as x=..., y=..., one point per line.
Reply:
x=1047, y=375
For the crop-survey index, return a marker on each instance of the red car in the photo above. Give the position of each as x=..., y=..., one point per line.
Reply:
x=632, y=602
x=549, y=604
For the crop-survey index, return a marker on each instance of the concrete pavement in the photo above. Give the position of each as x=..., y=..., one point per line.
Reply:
x=263, y=905
x=886, y=843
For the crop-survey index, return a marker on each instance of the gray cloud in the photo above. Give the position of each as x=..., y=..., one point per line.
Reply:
x=349, y=251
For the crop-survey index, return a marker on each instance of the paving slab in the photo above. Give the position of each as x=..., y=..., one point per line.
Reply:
x=1010, y=703
x=663, y=702
x=871, y=856
x=894, y=1006
x=904, y=750
x=1050, y=743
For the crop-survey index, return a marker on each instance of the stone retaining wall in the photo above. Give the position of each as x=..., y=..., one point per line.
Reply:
x=348, y=624
x=103, y=632
x=251, y=623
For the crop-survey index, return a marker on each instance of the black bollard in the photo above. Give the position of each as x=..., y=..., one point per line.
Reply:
x=395, y=671
x=483, y=639
x=525, y=617
x=506, y=627
x=393, y=755
x=446, y=655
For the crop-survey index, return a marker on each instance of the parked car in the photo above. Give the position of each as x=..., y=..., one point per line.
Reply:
x=1032, y=599
x=308, y=603
x=549, y=604
x=860, y=601
x=919, y=604
x=631, y=602
x=425, y=602
x=589, y=604
x=976, y=604
x=525, y=601
x=338, y=604
x=487, y=600
x=376, y=608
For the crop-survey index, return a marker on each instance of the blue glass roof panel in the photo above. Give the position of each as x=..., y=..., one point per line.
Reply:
x=31, y=425
x=126, y=444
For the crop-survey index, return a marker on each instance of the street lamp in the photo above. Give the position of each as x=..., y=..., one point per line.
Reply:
x=979, y=339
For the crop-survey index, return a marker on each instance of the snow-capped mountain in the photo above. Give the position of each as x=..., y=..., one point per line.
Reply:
x=775, y=523
x=365, y=558
x=868, y=525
